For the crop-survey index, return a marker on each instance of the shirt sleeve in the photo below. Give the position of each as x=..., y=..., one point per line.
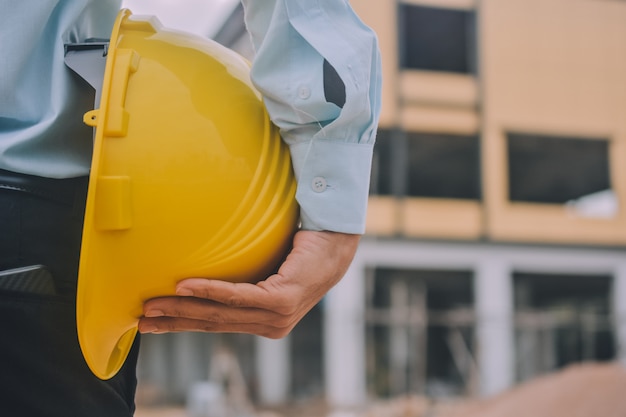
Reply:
x=331, y=146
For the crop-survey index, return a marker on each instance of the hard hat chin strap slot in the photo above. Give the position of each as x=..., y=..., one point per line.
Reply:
x=88, y=60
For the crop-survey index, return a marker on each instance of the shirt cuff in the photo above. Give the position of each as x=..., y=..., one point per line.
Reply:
x=333, y=184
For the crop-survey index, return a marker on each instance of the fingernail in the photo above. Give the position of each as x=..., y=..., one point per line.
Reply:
x=185, y=292
x=147, y=329
x=154, y=313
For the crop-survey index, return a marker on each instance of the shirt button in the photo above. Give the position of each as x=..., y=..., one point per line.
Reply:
x=319, y=184
x=304, y=92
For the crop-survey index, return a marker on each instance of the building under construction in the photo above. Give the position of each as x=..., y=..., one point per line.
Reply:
x=496, y=238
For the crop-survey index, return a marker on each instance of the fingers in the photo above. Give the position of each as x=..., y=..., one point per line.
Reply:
x=217, y=306
x=175, y=314
x=269, y=308
x=238, y=295
x=174, y=325
x=200, y=309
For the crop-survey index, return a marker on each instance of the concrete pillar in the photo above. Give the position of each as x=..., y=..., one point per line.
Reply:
x=184, y=356
x=493, y=290
x=153, y=368
x=399, y=355
x=273, y=364
x=619, y=312
x=344, y=341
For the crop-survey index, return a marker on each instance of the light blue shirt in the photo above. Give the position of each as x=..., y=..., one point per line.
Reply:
x=331, y=146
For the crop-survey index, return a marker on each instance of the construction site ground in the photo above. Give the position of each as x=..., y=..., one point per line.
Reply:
x=584, y=390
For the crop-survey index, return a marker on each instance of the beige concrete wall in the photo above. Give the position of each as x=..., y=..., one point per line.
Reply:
x=425, y=218
x=546, y=67
x=552, y=67
x=427, y=102
x=380, y=15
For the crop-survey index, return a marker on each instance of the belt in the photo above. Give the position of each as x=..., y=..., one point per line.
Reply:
x=35, y=279
x=58, y=190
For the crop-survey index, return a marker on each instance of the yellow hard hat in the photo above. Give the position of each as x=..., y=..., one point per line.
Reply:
x=189, y=178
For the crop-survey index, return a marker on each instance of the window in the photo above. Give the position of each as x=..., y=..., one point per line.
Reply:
x=420, y=332
x=561, y=319
x=381, y=179
x=443, y=166
x=437, y=39
x=556, y=169
x=426, y=165
x=307, y=357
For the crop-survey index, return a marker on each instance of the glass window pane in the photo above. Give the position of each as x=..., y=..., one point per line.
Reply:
x=437, y=39
x=556, y=169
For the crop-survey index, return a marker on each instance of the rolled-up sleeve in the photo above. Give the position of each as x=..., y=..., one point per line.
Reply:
x=331, y=142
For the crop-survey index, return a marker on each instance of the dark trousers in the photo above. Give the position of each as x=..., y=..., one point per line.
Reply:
x=42, y=371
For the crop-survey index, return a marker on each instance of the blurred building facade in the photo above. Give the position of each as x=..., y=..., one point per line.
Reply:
x=496, y=236
x=497, y=222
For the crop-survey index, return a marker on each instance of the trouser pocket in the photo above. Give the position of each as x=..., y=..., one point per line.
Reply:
x=42, y=370
x=44, y=373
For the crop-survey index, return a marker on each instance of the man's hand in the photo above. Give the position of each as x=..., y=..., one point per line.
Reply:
x=270, y=308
